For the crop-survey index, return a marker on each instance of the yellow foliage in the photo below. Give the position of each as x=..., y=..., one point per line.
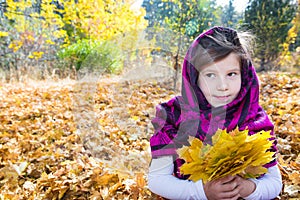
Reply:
x=286, y=58
x=50, y=42
x=16, y=45
x=3, y=34
x=99, y=20
x=36, y=55
x=231, y=153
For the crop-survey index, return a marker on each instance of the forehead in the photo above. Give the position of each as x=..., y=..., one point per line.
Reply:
x=230, y=62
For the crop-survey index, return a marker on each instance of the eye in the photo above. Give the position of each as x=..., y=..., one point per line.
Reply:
x=232, y=74
x=210, y=75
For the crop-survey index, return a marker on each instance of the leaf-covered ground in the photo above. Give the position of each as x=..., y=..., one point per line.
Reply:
x=90, y=140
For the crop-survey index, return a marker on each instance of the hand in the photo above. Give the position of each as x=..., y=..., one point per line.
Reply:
x=227, y=188
x=245, y=186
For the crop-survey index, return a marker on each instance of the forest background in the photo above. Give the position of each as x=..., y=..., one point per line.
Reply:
x=80, y=80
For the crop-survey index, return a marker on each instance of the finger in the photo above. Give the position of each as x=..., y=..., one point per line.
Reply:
x=238, y=178
x=234, y=194
x=226, y=179
x=230, y=186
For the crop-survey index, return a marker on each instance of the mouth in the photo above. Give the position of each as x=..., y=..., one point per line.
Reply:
x=223, y=98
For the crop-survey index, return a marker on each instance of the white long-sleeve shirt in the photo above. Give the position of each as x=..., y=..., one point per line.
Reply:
x=162, y=182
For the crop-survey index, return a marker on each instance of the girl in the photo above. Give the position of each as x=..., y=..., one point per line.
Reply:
x=220, y=89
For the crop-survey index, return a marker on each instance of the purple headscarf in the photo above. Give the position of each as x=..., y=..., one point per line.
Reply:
x=191, y=115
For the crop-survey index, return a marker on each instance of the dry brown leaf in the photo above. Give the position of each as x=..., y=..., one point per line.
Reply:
x=39, y=129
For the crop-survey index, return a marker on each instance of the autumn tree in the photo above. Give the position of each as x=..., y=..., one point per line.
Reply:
x=270, y=21
x=192, y=16
x=182, y=20
x=36, y=27
x=290, y=57
x=230, y=17
x=157, y=11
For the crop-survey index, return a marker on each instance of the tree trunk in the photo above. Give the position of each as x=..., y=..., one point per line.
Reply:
x=176, y=68
x=262, y=66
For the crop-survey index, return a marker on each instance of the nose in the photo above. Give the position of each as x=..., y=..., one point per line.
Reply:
x=222, y=85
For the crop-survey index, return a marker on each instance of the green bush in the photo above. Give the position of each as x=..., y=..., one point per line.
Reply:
x=90, y=55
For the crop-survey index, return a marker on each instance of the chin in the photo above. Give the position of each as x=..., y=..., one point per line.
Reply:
x=215, y=105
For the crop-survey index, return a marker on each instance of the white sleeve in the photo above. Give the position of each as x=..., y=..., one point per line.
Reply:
x=162, y=182
x=267, y=187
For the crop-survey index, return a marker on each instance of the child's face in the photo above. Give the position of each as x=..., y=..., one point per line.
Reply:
x=220, y=81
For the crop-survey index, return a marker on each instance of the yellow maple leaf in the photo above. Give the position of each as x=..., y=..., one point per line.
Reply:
x=230, y=153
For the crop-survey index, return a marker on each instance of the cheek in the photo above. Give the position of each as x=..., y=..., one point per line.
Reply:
x=204, y=86
x=239, y=84
x=236, y=86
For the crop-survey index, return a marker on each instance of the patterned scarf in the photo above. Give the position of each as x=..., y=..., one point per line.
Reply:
x=191, y=115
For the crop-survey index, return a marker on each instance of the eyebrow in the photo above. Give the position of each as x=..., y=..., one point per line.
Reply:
x=235, y=68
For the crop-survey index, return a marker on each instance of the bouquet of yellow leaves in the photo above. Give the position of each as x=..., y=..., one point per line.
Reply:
x=231, y=153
